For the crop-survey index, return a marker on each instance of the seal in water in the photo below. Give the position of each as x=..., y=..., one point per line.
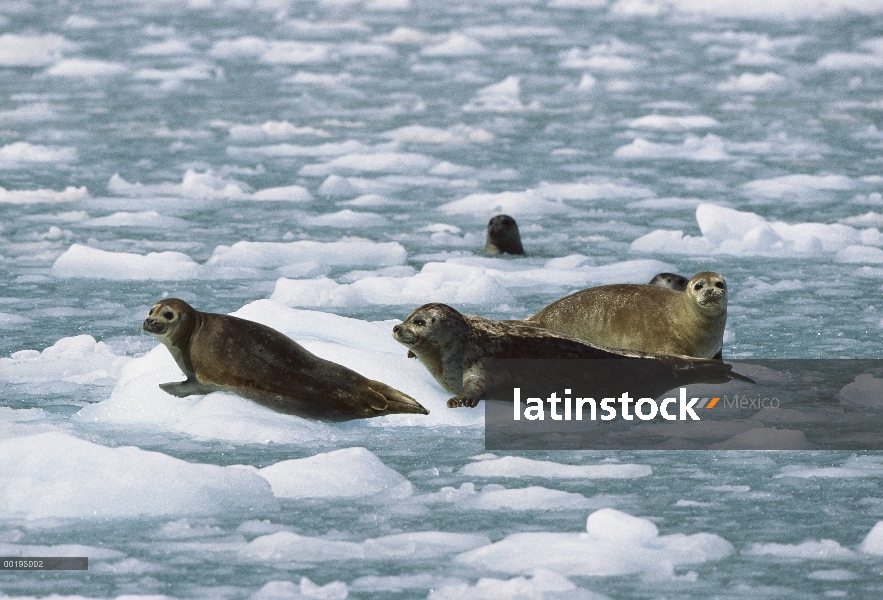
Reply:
x=454, y=348
x=671, y=281
x=223, y=353
x=645, y=317
x=503, y=236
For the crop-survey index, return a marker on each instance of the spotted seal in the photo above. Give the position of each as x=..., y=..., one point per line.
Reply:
x=454, y=347
x=671, y=281
x=644, y=317
x=503, y=236
x=223, y=353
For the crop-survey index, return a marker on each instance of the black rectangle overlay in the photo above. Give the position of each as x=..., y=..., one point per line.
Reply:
x=792, y=405
x=44, y=563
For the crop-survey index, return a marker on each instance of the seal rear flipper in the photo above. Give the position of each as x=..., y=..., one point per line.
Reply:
x=189, y=387
x=396, y=401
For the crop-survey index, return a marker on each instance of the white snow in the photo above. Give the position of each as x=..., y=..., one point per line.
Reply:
x=615, y=543
x=496, y=497
x=69, y=194
x=21, y=153
x=873, y=542
x=86, y=68
x=57, y=475
x=710, y=148
x=807, y=550
x=79, y=359
x=344, y=473
x=207, y=184
x=543, y=584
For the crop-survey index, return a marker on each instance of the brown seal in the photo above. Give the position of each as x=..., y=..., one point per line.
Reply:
x=645, y=317
x=503, y=236
x=224, y=353
x=671, y=281
x=454, y=348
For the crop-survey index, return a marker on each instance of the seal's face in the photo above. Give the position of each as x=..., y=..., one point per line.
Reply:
x=501, y=227
x=425, y=326
x=709, y=290
x=167, y=317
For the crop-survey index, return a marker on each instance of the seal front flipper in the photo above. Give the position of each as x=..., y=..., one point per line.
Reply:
x=189, y=387
x=473, y=387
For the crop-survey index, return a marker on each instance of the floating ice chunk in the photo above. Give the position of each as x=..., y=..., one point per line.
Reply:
x=274, y=51
x=272, y=130
x=289, y=547
x=23, y=152
x=289, y=193
x=67, y=477
x=773, y=9
x=345, y=473
x=873, y=542
x=355, y=253
x=447, y=284
x=831, y=575
x=577, y=3
x=193, y=185
x=808, y=550
x=405, y=36
x=377, y=162
x=592, y=190
x=346, y=219
x=307, y=590
x=457, y=44
x=850, y=61
x=798, y=186
x=543, y=584
x=521, y=204
x=765, y=438
x=79, y=359
x=869, y=219
x=32, y=50
x=857, y=466
x=165, y=48
x=422, y=545
x=494, y=497
x=149, y=218
x=860, y=254
x=69, y=194
x=86, y=68
x=30, y=113
x=328, y=149
x=517, y=466
x=420, y=134
x=91, y=263
x=866, y=390
x=599, y=59
x=751, y=82
x=499, y=97
x=710, y=148
x=670, y=123
x=172, y=77
x=728, y=231
x=615, y=543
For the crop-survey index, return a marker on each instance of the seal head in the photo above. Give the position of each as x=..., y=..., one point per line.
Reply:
x=503, y=236
x=671, y=281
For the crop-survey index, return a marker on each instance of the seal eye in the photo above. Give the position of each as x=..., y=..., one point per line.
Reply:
x=720, y=284
x=168, y=315
x=698, y=286
x=419, y=322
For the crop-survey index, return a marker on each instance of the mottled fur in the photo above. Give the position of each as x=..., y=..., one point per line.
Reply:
x=645, y=317
x=220, y=352
x=453, y=346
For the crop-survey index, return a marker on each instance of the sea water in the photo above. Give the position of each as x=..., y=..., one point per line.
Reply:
x=325, y=168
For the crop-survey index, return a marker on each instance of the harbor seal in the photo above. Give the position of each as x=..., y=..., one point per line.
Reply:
x=503, y=236
x=454, y=347
x=671, y=281
x=223, y=353
x=645, y=317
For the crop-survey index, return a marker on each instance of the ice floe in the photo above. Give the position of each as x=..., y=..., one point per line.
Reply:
x=520, y=467
x=615, y=543
x=64, y=476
